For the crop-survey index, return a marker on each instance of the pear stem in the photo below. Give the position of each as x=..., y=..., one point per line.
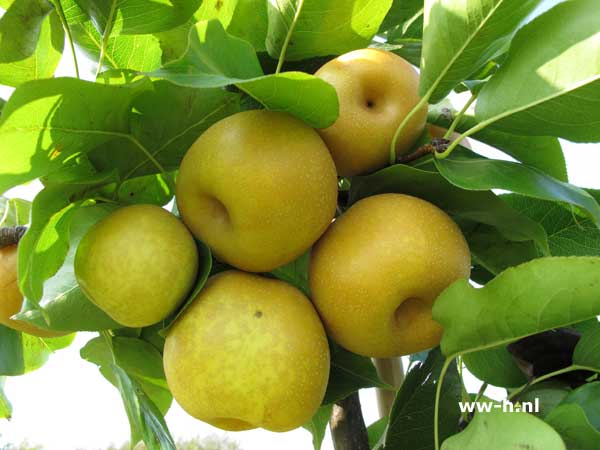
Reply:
x=348, y=428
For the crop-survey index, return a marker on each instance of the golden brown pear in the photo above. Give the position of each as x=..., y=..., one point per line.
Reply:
x=11, y=298
x=259, y=188
x=248, y=352
x=376, y=90
x=377, y=271
x=137, y=264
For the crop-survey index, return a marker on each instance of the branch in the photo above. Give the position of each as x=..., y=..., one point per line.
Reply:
x=390, y=371
x=347, y=425
x=11, y=235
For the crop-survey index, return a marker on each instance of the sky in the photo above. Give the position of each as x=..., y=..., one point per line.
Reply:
x=68, y=405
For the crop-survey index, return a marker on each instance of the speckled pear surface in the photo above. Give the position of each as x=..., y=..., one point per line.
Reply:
x=376, y=90
x=137, y=264
x=259, y=188
x=249, y=352
x=11, y=298
x=377, y=271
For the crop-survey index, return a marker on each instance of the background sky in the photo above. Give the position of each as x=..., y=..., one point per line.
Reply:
x=68, y=405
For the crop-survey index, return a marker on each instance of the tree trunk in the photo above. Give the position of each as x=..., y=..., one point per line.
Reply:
x=347, y=425
x=390, y=371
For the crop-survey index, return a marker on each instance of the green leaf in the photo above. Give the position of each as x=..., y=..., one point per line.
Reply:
x=324, y=27
x=63, y=304
x=460, y=37
x=21, y=352
x=5, y=406
x=216, y=59
x=412, y=417
x=495, y=366
x=138, y=16
x=296, y=273
x=497, y=430
x=587, y=350
x=549, y=394
x=376, y=432
x=409, y=49
x=73, y=13
x=542, y=152
x=587, y=397
x=401, y=15
x=549, y=84
x=155, y=189
x=14, y=212
x=139, y=52
x=349, y=373
x=250, y=22
x=165, y=133
x=139, y=359
x=537, y=296
x=496, y=253
x=31, y=42
x=572, y=424
x=568, y=235
x=477, y=206
x=46, y=123
x=43, y=248
x=469, y=171
x=246, y=19
x=318, y=425
x=145, y=420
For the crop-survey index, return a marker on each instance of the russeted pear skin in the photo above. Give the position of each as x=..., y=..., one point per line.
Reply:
x=248, y=352
x=376, y=90
x=11, y=298
x=259, y=188
x=376, y=272
x=137, y=264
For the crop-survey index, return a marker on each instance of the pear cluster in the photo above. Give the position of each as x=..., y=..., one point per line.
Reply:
x=260, y=189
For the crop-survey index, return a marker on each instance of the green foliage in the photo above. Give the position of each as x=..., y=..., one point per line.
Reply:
x=567, y=34
x=542, y=152
x=216, y=59
x=22, y=353
x=411, y=420
x=471, y=172
x=5, y=405
x=508, y=307
x=318, y=425
x=481, y=30
x=323, y=27
x=31, y=42
x=574, y=427
x=63, y=305
x=495, y=366
x=509, y=430
x=349, y=373
x=140, y=361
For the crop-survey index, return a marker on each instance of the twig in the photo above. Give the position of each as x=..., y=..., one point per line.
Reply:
x=437, y=145
x=11, y=235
